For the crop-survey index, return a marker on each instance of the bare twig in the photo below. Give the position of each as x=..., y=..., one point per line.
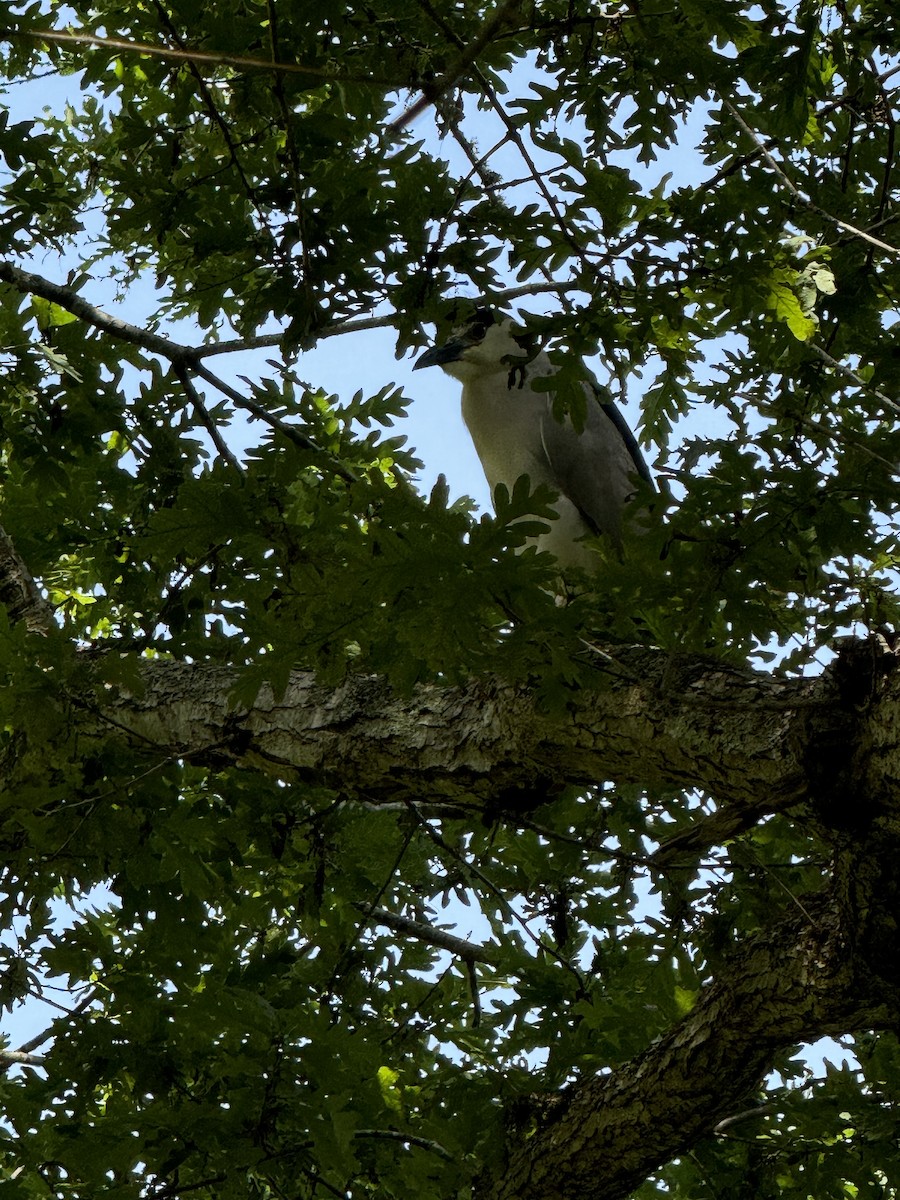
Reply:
x=433, y=91
x=433, y=936
x=411, y=1139
x=471, y=869
x=512, y=133
x=835, y=433
x=203, y=413
x=749, y=1114
x=291, y=432
x=264, y=341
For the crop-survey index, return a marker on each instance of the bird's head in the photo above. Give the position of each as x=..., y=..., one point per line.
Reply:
x=483, y=345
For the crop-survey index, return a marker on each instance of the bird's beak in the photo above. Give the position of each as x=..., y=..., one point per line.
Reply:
x=438, y=355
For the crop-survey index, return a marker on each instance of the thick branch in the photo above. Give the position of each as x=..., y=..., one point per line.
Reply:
x=19, y=594
x=741, y=736
x=757, y=744
x=600, y=1139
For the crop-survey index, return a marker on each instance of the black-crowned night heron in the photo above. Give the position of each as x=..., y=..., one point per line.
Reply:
x=594, y=471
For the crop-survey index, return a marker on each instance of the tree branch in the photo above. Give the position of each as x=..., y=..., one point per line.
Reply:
x=600, y=1139
x=19, y=594
x=751, y=741
x=182, y=358
x=434, y=91
x=57, y=293
x=240, y=62
x=19, y=1058
x=795, y=191
x=432, y=936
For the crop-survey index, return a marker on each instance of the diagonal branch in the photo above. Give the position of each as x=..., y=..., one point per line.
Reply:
x=183, y=359
x=206, y=418
x=600, y=1138
x=513, y=134
x=433, y=936
x=67, y=298
x=850, y=374
x=469, y=54
x=218, y=120
x=241, y=62
x=799, y=196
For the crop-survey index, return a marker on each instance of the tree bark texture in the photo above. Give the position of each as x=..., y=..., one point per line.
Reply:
x=804, y=980
x=757, y=744
x=828, y=749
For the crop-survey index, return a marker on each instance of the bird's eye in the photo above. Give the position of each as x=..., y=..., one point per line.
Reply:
x=478, y=330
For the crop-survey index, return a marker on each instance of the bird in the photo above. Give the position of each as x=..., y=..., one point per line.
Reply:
x=594, y=470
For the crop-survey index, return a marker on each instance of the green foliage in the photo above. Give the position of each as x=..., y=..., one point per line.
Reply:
x=237, y=1021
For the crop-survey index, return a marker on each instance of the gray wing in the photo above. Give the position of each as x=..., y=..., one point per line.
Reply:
x=598, y=468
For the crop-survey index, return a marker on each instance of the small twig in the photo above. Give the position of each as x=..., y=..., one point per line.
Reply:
x=412, y=1139
x=368, y=908
x=784, y=887
x=471, y=869
x=513, y=134
x=761, y=1110
x=619, y=672
x=218, y=120
x=171, y=1190
x=181, y=357
x=293, y=158
x=318, y=1180
x=433, y=91
x=265, y=341
x=715, y=829
x=889, y=151
x=202, y=412
x=303, y=440
x=849, y=373
x=837, y=434
x=433, y=936
x=536, y=175
x=594, y=846
x=475, y=993
x=796, y=192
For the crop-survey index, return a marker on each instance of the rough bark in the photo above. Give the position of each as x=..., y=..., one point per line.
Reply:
x=739, y=735
x=756, y=743
x=826, y=748
x=806, y=979
x=19, y=594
